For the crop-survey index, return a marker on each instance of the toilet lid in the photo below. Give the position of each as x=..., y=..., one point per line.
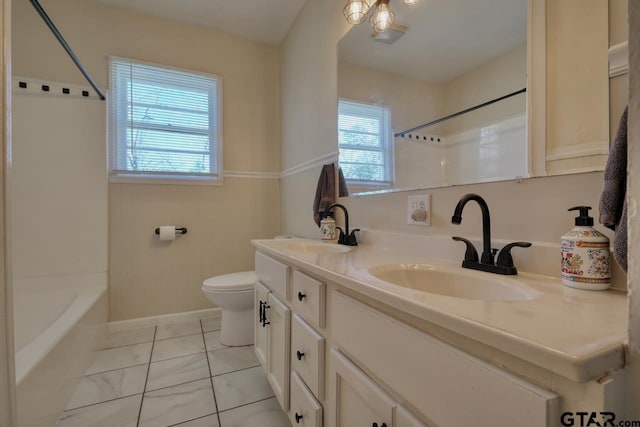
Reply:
x=242, y=281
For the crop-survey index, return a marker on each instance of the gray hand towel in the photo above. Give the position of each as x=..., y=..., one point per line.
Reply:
x=325, y=192
x=613, y=201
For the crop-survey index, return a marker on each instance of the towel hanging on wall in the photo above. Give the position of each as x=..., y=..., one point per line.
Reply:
x=613, y=201
x=325, y=192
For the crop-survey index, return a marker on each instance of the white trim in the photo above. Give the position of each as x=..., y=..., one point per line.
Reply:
x=537, y=86
x=143, y=322
x=573, y=171
x=251, y=175
x=619, y=59
x=587, y=149
x=164, y=180
x=170, y=67
x=311, y=164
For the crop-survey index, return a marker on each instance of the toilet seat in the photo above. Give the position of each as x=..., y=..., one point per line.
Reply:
x=233, y=282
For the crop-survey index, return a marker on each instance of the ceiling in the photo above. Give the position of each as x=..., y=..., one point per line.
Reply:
x=266, y=21
x=445, y=38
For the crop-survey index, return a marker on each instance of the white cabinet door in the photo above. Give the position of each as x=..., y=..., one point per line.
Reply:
x=278, y=345
x=356, y=399
x=261, y=328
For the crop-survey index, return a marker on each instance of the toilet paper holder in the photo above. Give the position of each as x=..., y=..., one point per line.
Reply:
x=182, y=230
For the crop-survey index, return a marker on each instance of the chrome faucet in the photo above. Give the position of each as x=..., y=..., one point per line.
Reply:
x=504, y=264
x=345, y=237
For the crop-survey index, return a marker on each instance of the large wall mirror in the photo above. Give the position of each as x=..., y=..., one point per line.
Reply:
x=444, y=97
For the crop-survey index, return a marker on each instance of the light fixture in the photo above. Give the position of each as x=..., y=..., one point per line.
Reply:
x=356, y=11
x=381, y=18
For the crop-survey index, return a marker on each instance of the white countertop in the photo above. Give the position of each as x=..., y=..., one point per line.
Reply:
x=575, y=333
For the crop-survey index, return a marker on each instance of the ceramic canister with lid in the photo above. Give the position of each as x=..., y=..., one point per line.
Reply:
x=585, y=255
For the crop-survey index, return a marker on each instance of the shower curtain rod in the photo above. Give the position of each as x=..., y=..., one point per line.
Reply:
x=66, y=47
x=459, y=113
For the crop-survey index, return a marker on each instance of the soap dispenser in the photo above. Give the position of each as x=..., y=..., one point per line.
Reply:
x=585, y=255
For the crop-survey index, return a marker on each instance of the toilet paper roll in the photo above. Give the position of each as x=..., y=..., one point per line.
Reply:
x=167, y=232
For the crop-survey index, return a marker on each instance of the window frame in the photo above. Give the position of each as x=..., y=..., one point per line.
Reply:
x=387, y=149
x=173, y=178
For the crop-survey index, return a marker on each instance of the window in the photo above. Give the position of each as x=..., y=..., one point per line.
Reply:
x=164, y=123
x=365, y=143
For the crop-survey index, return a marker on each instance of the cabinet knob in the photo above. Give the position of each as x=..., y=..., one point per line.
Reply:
x=298, y=418
x=299, y=355
x=301, y=296
x=376, y=425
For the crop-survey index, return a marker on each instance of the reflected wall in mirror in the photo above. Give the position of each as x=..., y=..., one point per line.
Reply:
x=440, y=58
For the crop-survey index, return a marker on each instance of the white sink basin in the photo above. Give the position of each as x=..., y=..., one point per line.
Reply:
x=453, y=283
x=318, y=248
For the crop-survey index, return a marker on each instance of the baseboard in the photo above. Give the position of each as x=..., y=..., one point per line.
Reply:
x=143, y=322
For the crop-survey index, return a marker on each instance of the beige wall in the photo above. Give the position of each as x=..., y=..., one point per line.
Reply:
x=500, y=76
x=146, y=277
x=577, y=85
x=619, y=85
x=151, y=277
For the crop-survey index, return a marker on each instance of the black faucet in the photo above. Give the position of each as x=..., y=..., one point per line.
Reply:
x=345, y=238
x=504, y=265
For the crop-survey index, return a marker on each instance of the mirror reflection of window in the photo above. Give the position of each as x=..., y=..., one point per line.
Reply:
x=365, y=143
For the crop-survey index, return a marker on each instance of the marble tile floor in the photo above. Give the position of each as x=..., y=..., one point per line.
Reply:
x=175, y=374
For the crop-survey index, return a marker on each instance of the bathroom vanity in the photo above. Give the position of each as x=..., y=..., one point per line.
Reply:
x=351, y=337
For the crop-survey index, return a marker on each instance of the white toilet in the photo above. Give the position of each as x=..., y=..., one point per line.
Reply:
x=234, y=293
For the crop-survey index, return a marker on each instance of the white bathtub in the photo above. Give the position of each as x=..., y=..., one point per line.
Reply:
x=58, y=323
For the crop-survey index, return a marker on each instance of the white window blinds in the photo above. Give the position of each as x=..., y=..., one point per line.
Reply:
x=163, y=122
x=364, y=142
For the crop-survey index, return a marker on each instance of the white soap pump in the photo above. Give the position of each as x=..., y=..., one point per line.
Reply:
x=585, y=255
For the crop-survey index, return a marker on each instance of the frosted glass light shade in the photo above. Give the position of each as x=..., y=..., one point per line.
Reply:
x=410, y=2
x=356, y=11
x=383, y=17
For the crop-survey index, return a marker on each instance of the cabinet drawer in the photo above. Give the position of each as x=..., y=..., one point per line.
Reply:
x=273, y=274
x=305, y=410
x=431, y=374
x=307, y=355
x=308, y=298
